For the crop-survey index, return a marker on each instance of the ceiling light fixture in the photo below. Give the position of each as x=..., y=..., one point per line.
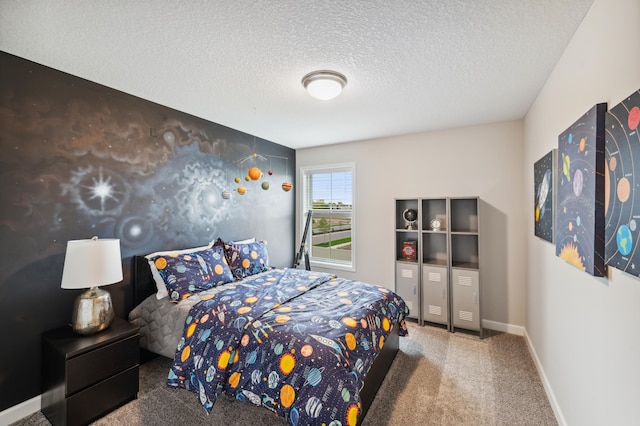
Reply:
x=324, y=85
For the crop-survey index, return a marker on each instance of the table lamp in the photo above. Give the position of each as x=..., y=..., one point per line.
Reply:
x=91, y=264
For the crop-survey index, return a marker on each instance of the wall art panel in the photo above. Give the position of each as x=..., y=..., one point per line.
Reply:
x=622, y=185
x=580, y=199
x=544, y=194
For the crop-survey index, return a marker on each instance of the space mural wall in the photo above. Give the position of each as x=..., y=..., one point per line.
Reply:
x=80, y=159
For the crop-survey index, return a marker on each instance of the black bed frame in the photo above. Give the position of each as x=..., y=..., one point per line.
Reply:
x=144, y=286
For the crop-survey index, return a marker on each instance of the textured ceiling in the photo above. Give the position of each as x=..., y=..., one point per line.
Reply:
x=411, y=65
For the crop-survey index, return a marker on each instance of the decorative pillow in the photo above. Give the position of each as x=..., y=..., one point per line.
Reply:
x=188, y=273
x=247, y=259
x=161, y=288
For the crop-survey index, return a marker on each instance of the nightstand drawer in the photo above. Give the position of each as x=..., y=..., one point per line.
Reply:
x=92, y=367
x=99, y=399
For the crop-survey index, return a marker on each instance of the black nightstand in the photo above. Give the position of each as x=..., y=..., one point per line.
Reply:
x=85, y=377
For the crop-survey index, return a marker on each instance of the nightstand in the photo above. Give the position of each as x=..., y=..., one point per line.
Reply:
x=85, y=377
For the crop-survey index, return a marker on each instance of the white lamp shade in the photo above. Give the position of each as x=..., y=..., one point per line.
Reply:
x=92, y=263
x=324, y=85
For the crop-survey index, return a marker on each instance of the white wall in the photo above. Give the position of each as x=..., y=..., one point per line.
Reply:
x=484, y=161
x=585, y=331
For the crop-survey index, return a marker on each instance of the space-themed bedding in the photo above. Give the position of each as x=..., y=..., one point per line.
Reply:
x=296, y=342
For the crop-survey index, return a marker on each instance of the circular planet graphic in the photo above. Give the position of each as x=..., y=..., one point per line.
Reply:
x=254, y=173
x=634, y=118
x=578, y=182
x=623, y=240
x=623, y=190
x=286, y=186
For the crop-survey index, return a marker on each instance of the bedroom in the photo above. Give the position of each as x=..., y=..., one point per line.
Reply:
x=559, y=309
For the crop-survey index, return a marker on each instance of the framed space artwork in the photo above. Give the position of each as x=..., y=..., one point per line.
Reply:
x=622, y=185
x=544, y=193
x=580, y=197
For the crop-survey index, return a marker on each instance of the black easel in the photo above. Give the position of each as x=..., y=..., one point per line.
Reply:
x=303, y=251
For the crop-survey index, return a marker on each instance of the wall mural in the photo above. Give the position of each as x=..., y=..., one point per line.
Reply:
x=580, y=200
x=80, y=159
x=543, y=195
x=622, y=185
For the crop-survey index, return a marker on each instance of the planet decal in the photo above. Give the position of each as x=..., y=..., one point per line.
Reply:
x=350, y=340
x=313, y=407
x=191, y=329
x=306, y=350
x=578, y=182
x=270, y=172
x=210, y=374
x=634, y=118
x=226, y=194
x=287, y=363
x=234, y=379
x=265, y=185
x=247, y=178
x=223, y=359
x=273, y=380
x=566, y=166
x=254, y=173
x=623, y=190
x=349, y=322
x=242, y=190
x=315, y=376
x=287, y=395
x=245, y=340
x=286, y=186
x=352, y=415
x=186, y=352
x=278, y=349
x=256, y=376
x=236, y=179
x=583, y=142
x=346, y=396
x=624, y=240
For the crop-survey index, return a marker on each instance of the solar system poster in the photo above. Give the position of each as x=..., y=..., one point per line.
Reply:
x=580, y=198
x=622, y=184
x=543, y=196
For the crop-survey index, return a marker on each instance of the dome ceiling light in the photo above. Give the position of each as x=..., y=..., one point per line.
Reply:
x=324, y=85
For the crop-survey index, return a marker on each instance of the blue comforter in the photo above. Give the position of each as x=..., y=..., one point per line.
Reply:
x=296, y=342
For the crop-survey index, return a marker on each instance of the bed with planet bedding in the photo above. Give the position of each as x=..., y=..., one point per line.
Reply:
x=309, y=346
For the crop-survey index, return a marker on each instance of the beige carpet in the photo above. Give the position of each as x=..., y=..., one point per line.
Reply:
x=438, y=378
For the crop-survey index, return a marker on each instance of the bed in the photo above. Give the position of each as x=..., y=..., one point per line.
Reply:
x=289, y=340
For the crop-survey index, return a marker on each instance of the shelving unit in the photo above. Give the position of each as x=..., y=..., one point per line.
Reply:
x=442, y=284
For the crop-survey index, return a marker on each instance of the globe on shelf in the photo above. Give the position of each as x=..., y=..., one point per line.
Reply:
x=410, y=216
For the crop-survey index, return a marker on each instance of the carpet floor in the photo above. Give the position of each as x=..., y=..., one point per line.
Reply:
x=437, y=378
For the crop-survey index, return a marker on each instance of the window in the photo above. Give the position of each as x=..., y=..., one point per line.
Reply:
x=328, y=192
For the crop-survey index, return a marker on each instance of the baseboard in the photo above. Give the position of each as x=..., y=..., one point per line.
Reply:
x=20, y=411
x=545, y=382
x=503, y=327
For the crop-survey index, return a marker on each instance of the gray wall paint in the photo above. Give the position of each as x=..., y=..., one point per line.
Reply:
x=484, y=161
x=585, y=330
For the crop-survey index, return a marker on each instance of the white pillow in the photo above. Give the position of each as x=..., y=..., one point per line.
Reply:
x=247, y=241
x=160, y=286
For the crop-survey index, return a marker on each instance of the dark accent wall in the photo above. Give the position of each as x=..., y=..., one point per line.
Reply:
x=79, y=159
